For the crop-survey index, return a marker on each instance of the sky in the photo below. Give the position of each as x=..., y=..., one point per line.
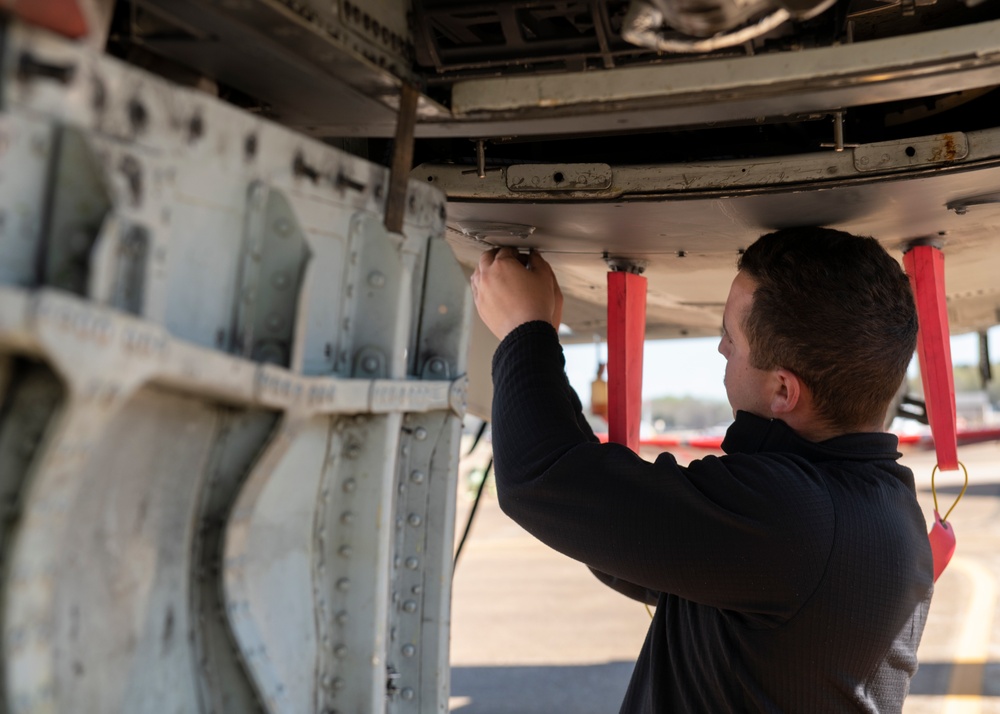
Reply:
x=693, y=367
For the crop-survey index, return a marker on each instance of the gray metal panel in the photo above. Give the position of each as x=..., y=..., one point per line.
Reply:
x=28, y=147
x=687, y=222
x=268, y=557
x=179, y=498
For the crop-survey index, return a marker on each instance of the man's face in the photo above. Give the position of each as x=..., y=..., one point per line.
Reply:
x=746, y=386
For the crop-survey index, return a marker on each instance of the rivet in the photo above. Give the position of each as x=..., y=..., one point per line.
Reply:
x=345, y=551
x=410, y=606
x=282, y=226
x=340, y=651
x=420, y=433
x=342, y=618
x=350, y=485
x=415, y=520
x=417, y=589
x=407, y=694
x=338, y=684
x=369, y=364
x=343, y=585
x=409, y=650
x=418, y=476
x=376, y=279
x=347, y=518
x=412, y=563
x=437, y=366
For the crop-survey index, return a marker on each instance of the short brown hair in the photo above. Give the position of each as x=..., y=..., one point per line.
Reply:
x=836, y=310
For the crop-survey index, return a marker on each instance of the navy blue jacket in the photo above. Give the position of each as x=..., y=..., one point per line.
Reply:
x=788, y=575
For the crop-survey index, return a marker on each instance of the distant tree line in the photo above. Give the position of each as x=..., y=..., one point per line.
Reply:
x=673, y=413
x=676, y=413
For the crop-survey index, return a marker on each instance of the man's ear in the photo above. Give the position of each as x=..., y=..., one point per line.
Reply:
x=788, y=391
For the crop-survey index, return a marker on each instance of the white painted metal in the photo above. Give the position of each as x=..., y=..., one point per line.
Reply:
x=213, y=362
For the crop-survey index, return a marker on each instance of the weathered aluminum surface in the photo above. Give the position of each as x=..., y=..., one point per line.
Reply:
x=921, y=151
x=336, y=70
x=725, y=177
x=210, y=353
x=765, y=85
x=550, y=177
x=687, y=223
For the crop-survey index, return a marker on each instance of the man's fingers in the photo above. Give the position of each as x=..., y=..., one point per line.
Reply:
x=486, y=259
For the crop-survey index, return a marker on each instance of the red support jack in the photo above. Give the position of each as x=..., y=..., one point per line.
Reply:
x=925, y=266
x=626, y=337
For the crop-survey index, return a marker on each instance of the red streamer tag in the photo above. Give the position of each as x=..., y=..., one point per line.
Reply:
x=942, y=537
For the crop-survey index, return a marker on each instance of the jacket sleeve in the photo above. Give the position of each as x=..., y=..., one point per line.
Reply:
x=742, y=533
x=631, y=590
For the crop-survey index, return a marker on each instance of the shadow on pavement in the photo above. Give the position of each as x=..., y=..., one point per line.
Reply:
x=974, y=489
x=580, y=689
x=979, y=679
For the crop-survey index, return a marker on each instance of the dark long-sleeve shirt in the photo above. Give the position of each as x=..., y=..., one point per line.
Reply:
x=789, y=576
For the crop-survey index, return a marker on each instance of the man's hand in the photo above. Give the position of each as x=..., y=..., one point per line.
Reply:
x=509, y=293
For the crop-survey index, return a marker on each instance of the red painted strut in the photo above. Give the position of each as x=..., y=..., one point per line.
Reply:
x=925, y=266
x=626, y=336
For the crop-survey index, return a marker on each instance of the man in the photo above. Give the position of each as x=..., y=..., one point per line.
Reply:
x=792, y=574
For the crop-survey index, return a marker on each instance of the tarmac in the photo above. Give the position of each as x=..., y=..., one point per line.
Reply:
x=534, y=633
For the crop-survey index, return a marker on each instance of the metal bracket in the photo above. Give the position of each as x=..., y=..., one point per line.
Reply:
x=275, y=257
x=962, y=205
x=559, y=177
x=625, y=265
x=918, y=151
x=77, y=205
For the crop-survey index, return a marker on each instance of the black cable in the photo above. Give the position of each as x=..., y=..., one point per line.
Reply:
x=472, y=513
x=479, y=435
